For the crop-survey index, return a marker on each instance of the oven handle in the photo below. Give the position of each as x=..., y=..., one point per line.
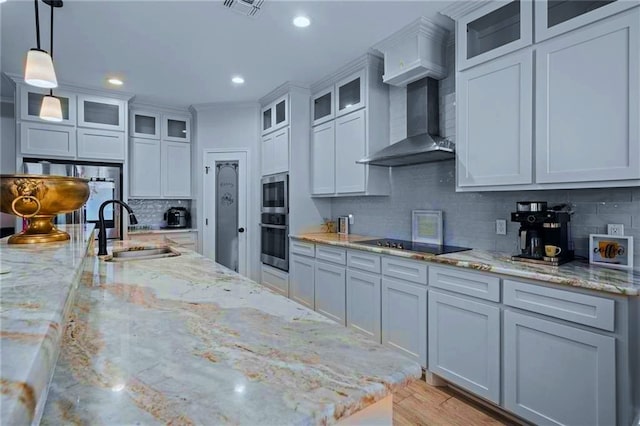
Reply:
x=262, y=225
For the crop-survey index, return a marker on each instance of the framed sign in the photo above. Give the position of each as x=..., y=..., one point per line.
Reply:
x=612, y=251
x=426, y=226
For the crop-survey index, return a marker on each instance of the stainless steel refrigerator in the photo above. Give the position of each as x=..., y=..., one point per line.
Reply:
x=105, y=183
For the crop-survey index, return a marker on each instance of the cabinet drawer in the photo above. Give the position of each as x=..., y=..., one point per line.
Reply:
x=575, y=307
x=405, y=269
x=331, y=254
x=363, y=261
x=469, y=283
x=302, y=248
x=186, y=238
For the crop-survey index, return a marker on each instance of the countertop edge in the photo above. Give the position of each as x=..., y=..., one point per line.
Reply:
x=476, y=265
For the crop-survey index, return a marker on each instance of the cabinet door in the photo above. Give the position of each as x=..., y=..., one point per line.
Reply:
x=464, y=343
x=322, y=106
x=555, y=374
x=101, y=113
x=587, y=103
x=145, y=125
x=363, y=303
x=330, y=291
x=31, y=102
x=350, y=93
x=350, y=147
x=281, y=112
x=176, y=128
x=404, y=318
x=276, y=280
x=495, y=112
x=101, y=145
x=301, y=280
x=553, y=17
x=145, y=168
x=268, y=153
x=492, y=31
x=47, y=140
x=176, y=169
x=281, y=151
x=268, y=118
x=323, y=159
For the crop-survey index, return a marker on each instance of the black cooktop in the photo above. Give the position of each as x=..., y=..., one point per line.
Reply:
x=411, y=246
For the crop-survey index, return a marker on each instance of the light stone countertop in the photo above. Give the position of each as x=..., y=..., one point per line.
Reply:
x=35, y=298
x=576, y=274
x=161, y=231
x=184, y=340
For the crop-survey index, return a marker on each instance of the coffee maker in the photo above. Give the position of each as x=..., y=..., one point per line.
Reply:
x=540, y=228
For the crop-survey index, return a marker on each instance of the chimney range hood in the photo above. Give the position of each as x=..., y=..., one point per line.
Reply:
x=423, y=143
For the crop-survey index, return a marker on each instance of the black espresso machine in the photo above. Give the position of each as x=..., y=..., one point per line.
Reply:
x=544, y=233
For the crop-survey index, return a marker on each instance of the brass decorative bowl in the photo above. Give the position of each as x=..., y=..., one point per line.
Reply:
x=39, y=199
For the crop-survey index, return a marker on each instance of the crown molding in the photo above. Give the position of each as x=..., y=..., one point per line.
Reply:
x=371, y=57
x=222, y=105
x=421, y=26
x=460, y=8
x=282, y=90
x=138, y=103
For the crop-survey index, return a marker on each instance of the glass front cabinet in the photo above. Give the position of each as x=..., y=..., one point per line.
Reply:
x=101, y=113
x=554, y=17
x=350, y=93
x=31, y=102
x=145, y=125
x=176, y=128
x=275, y=115
x=494, y=30
x=322, y=106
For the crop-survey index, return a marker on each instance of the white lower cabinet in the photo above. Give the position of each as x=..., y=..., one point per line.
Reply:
x=145, y=168
x=330, y=291
x=557, y=374
x=363, y=303
x=101, y=144
x=404, y=318
x=302, y=280
x=176, y=169
x=275, y=279
x=464, y=343
x=47, y=140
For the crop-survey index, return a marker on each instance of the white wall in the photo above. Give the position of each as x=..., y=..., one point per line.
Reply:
x=7, y=149
x=230, y=126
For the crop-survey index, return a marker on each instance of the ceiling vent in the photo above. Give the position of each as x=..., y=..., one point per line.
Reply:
x=245, y=7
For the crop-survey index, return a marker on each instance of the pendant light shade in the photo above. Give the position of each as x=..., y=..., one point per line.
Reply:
x=39, y=71
x=51, y=109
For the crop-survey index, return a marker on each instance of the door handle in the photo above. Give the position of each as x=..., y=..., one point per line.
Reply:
x=241, y=230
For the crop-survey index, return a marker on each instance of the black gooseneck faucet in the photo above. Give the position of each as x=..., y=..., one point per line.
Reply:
x=102, y=236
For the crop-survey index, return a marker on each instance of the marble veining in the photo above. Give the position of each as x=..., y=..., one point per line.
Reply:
x=575, y=274
x=35, y=298
x=187, y=341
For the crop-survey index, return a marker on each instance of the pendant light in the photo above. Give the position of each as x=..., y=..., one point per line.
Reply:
x=39, y=70
x=51, y=109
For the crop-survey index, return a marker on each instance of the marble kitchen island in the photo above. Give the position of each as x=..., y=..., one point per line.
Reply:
x=184, y=340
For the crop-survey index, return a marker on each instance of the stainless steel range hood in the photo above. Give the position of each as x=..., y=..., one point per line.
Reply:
x=423, y=143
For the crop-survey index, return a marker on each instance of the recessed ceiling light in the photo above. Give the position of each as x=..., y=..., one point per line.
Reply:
x=237, y=80
x=301, y=21
x=115, y=81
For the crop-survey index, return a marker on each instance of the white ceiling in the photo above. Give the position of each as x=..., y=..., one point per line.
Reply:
x=185, y=52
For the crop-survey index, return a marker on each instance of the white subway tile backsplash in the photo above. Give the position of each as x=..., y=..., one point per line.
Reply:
x=151, y=212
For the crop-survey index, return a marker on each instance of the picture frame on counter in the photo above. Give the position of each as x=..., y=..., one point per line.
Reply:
x=611, y=251
x=426, y=227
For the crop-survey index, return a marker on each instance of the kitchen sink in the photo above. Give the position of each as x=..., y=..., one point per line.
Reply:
x=143, y=253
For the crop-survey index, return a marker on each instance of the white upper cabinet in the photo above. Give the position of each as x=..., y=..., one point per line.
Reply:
x=322, y=106
x=554, y=17
x=101, y=113
x=176, y=128
x=145, y=168
x=96, y=144
x=47, y=140
x=350, y=147
x=587, y=103
x=275, y=115
x=350, y=94
x=495, y=112
x=145, y=125
x=323, y=159
x=275, y=152
x=31, y=102
x=493, y=30
x=176, y=169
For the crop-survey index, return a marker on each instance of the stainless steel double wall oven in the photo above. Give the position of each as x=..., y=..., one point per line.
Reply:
x=275, y=221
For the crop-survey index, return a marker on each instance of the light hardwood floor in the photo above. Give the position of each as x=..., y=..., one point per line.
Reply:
x=422, y=404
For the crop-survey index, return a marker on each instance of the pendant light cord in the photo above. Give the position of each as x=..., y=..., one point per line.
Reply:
x=35, y=3
x=51, y=46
